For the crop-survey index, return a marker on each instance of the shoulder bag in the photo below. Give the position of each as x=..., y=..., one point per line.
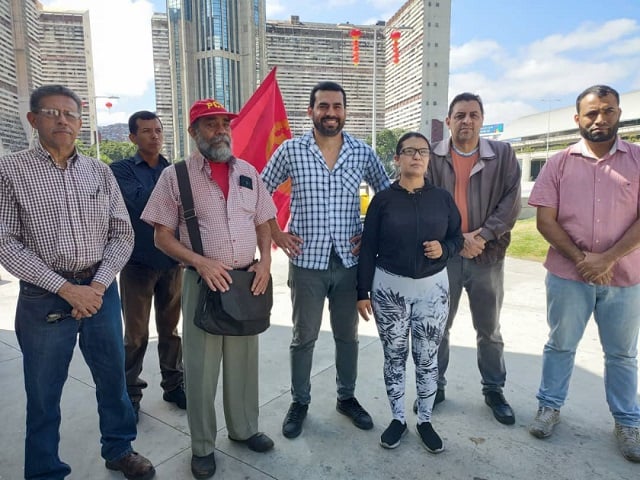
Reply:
x=237, y=311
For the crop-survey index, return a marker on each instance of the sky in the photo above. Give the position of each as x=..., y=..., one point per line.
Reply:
x=520, y=56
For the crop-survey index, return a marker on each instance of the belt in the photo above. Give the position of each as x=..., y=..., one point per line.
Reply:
x=85, y=274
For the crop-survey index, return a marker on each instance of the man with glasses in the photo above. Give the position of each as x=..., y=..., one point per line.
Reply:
x=65, y=233
x=484, y=178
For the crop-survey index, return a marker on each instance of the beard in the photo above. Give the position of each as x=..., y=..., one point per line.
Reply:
x=218, y=149
x=332, y=131
x=601, y=136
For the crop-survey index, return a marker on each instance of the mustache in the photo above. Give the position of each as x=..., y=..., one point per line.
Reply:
x=221, y=138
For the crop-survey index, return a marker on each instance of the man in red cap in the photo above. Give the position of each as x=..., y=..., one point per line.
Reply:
x=233, y=207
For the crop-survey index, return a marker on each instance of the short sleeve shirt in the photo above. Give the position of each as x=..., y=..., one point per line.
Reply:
x=597, y=201
x=227, y=227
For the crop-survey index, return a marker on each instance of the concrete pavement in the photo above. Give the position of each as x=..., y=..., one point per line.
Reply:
x=330, y=447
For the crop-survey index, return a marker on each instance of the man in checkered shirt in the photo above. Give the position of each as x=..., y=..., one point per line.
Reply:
x=326, y=167
x=65, y=233
x=233, y=207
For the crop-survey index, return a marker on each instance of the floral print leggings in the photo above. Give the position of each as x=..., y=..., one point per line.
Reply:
x=420, y=306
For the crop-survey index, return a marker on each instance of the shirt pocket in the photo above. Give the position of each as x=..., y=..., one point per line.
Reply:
x=248, y=199
x=350, y=181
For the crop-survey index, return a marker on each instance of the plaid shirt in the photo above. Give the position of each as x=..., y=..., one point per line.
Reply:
x=227, y=227
x=61, y=220
x=325, y=204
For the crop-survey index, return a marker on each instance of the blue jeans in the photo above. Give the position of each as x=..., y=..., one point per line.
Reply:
x=309, y=289
x=47, y=348
x=616, y=311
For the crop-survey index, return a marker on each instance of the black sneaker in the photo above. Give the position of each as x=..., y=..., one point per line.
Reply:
x=439, y=399
x=176, y=396
x=390, y=438
x=430, y=439
x=358, y=415
x=292, y=425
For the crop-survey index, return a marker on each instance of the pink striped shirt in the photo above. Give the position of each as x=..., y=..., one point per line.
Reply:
x=227, y=227
x=597, y=201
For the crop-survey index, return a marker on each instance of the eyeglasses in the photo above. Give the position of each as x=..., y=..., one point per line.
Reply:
x=410, y=151
x=55, y=113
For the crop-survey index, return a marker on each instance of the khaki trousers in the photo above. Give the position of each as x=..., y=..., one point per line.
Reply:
x=202, y=355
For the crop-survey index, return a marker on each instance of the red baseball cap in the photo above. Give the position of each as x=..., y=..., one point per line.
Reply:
x=208, y=108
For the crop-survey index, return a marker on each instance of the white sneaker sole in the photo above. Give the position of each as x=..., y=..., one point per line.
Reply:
x=394, y=445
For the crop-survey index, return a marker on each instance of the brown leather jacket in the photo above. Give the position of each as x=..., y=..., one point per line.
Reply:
x=493, y=196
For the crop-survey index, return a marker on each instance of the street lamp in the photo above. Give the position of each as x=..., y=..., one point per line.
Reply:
x=380, y=25
x=108, y=104
x=549, y=100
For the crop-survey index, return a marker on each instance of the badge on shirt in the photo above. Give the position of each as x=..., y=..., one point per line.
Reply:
x=246, y=182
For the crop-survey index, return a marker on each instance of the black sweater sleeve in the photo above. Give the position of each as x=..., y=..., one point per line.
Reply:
x=369, y=248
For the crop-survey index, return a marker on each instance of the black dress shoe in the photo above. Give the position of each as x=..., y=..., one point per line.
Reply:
x=203, y=467
x=176, y=396
x=259, y=442
x=500, y=408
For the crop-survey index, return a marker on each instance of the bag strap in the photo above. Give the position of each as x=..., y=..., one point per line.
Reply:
x=186, y=195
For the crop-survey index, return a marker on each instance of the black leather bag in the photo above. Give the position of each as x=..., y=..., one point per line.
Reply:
x=236, y=312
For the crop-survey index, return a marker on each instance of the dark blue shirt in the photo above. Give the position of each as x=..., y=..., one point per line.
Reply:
x=137, y=180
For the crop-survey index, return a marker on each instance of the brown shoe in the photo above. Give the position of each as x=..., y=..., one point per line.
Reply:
x=133, y=466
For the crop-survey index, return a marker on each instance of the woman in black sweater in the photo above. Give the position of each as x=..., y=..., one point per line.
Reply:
x=410, y=231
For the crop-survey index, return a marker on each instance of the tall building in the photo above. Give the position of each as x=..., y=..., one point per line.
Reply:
x=162, y=75
x=417, y=87
x=66, y=58
x=217, y=50
x=307, y=53
x=20, y=72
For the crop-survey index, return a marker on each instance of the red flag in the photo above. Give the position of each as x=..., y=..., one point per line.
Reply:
x=259, y=129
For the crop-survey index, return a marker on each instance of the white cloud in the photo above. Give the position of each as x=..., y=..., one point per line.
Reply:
x=514, y=83
x=473, y=52
x=626, y=47
x=586, y=37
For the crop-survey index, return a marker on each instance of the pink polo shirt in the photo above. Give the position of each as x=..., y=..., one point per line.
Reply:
x=597, y=202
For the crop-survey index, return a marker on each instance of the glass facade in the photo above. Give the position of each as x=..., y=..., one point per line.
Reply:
x=216, y=53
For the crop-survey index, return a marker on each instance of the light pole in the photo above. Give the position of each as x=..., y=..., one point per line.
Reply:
x=107, y=97
x=549, y=100
x=380, y=25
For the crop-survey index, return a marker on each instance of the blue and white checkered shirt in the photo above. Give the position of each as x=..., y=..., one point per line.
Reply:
x=325, y=204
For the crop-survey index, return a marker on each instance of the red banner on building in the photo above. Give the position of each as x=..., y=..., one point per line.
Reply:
x=259, y=129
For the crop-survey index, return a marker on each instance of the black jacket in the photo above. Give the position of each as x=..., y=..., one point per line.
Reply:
x=397, y=224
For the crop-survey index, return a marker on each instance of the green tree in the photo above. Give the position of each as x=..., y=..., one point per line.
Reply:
x=110, y=151
x=386, y=141
x=117, y=150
